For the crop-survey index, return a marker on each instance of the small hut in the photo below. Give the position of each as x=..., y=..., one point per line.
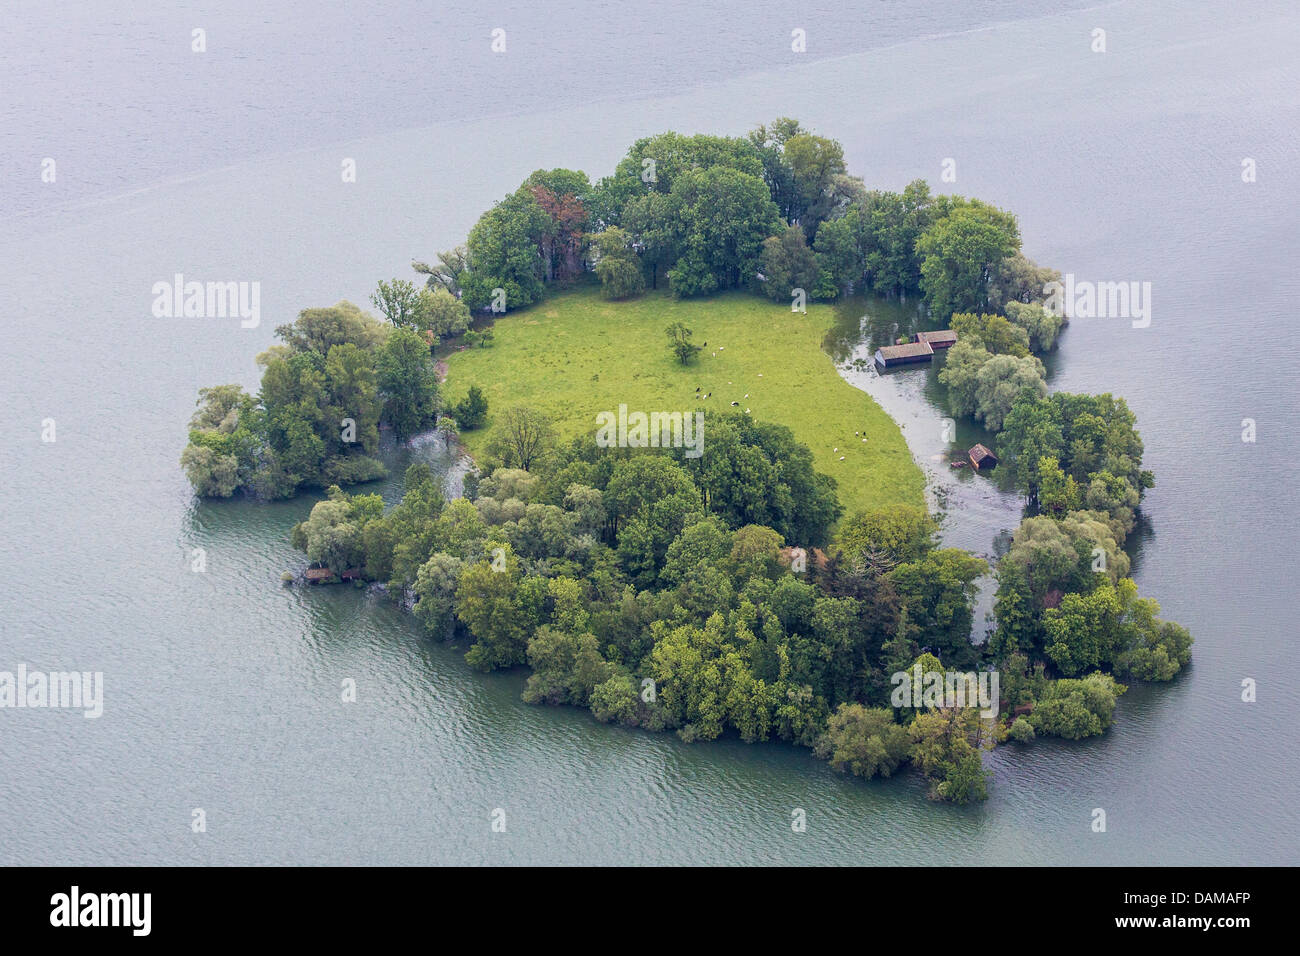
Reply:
x=319, y=575
x=981, y=457
x=938, y=339
x=894, y=355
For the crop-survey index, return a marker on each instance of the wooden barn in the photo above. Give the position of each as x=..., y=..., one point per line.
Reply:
x=938, y=339
x=981, y=457
x=891, y=356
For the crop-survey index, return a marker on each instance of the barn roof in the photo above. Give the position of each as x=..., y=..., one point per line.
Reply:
x=909, y=350
x=944, y=336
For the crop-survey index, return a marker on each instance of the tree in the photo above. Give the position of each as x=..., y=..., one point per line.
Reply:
x=408, y=382
x=864, y=741
x=942, y=748
x=903, y=533
x=995, y=333
x=617, y=266
x=523, y=435
x=679, y=342
x=786, y=264
x=718, y=218
x=960, y=254
x=447, y=272
x=471, y=411
x=504, y=254
x=441, y=313
x=820, y=185
x=435, y=591
x=938, y=592
x=213, y=475
x=319, y=330
x=561, y=195
x=756, y=473
x=1042, y=325
x=1018, y=281
x=399, y=301
x=1001, y=381
x=615, y=700
x=1077, y=708
x=1083, y=630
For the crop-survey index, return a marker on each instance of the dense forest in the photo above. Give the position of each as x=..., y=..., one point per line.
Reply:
x=727, y=593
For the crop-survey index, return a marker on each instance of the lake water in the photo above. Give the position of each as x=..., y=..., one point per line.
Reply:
x=222, y=688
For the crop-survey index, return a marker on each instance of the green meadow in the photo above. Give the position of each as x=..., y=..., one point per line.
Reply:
x=576, y=354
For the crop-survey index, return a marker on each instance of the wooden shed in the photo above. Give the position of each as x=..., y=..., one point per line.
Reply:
x=891, y=356
x=938, y=339
x=981, y=457
x=319, y=575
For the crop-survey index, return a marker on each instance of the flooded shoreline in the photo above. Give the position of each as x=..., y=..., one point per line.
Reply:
x=976, y=511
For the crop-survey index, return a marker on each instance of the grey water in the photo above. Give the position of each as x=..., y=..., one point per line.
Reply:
x=222, y=688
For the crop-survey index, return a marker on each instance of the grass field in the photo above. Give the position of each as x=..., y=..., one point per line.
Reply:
x=576, y=354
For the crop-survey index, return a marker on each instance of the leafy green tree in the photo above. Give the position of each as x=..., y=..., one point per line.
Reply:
x=679, y=342
x=786, y=264
x=938, y=592
x=821, y=186
x=617, y=265
x=522, y=436
x=435, y=591
x=567, y=668
x=504, y=254
x=995, y=333
x=501, y=609
x=1022, y=731
x=447, y=272
x=864, y=741
x=960, y=255
x=1152, y=649
x=1042, y=325
x=441, y=314
x=1077, y=708
x=471, y=411
x=408, y=383
x=902, y=533
x=1018, y=282
x=213, y=475
x=756, y=473
x=1083, y=630
x=399, y=301
x=720, y=218
x=946, y=747
x=656, y=163
x=615, y=700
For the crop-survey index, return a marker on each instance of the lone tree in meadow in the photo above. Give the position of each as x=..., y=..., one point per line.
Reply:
x=679, y=340
x=523, y=436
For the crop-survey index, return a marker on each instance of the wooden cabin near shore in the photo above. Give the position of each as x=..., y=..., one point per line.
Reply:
x=891, y=356
x=981, y=457
x=319, y=575
x=938, y=339
x=920, y=349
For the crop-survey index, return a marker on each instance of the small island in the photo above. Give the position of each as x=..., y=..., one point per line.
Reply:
x=680, y=517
